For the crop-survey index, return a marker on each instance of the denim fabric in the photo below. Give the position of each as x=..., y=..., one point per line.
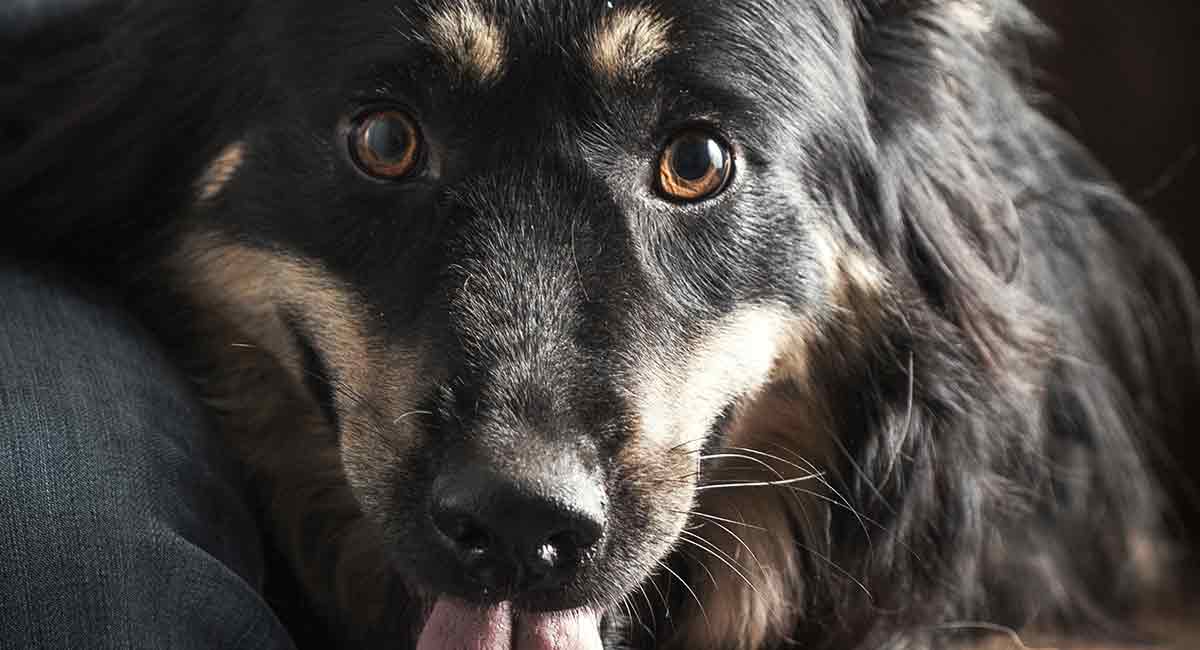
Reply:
x=20, y=16
x=121, y=523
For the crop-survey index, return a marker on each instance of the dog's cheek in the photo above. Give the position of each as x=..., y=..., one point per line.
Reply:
x=678, y=398
x=380, y=469
x=653, y=487
x=384, y=430
x=756, y=366
x=682, y=393
x=276, y=300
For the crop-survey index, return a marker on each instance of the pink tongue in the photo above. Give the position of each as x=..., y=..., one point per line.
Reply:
x=455, y=625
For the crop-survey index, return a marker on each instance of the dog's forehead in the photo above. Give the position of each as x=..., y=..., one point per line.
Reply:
x=481, y=40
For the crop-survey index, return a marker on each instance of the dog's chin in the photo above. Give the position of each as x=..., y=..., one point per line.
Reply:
x=455, y=624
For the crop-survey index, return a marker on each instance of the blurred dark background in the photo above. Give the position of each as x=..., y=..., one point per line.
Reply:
x=1124, y=77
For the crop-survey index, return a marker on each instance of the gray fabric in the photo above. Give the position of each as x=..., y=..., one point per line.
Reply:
x=121, y=524
x=20, y=16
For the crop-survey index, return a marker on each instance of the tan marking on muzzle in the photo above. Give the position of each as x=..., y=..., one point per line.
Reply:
x=777, y=447
x=237, y=294
x=680, y=399
x=256, y=289
x=470, y=41
x=220, y=171
x=627, y=42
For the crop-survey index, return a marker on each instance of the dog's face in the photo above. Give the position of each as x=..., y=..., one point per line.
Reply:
x=533, y=259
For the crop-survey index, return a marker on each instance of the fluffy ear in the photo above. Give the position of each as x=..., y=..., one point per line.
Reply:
x=963, y=171
x=108, y=111
x=944, y=101
x=967, y=18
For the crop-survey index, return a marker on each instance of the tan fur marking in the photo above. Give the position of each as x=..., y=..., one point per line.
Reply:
x=852, y=276
x=256, y=385
x=253, y=286
x=470, y=41
x=740, y=616
x=220, y=171
x=627, y=42
x=679, y=400
x=779, y=433
x=778, y=438
x=757, y=358
x=783, y=432
x=782, y=429
x=863, y=274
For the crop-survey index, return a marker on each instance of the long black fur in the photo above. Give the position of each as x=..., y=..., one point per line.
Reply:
x=1002, y=408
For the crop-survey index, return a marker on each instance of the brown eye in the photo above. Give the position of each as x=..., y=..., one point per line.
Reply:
x=386, y=144
x=694, y=166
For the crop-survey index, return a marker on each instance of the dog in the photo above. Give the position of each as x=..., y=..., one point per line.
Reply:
x=630, y=323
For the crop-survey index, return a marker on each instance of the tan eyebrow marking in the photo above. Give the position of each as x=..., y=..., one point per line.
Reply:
x=628, y=41
x=470, y=41
x=220, y=171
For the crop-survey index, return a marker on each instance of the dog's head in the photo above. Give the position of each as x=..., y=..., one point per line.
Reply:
x=538, y=261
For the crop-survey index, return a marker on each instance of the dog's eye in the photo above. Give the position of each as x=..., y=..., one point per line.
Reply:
x=694, y=166
x=386, y=144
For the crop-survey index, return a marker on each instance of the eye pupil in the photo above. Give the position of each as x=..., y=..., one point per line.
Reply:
x=695, y=158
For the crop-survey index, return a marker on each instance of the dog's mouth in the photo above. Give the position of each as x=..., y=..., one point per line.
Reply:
x=458, y=625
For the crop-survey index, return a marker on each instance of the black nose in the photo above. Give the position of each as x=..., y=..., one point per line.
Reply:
x=512, y=535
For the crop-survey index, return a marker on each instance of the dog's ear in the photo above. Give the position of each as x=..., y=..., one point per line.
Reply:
x=943, y=97
x=964, y=17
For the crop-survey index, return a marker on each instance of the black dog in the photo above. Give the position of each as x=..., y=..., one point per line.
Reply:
x=650, y=323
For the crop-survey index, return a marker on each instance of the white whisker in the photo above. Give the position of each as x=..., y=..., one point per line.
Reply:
x=742, y=542
x=789, y=481
x=410, y=414
x=984, y=626
x=837, y=567
x=631, y=613
x=747, y=450
x=844, y=501
x=742, y=457
x=700, y=543
x=712, y=579
x=649, y=605
x=661, y=596
x=728, y=521
x=683, y=582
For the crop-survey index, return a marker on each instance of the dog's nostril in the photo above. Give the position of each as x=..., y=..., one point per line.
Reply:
x=464, y=532
x=565, y=548
x=470, y=537
x=584, y=533
x=560, y=556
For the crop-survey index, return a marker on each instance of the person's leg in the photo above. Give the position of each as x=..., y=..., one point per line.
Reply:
x=122, y=525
